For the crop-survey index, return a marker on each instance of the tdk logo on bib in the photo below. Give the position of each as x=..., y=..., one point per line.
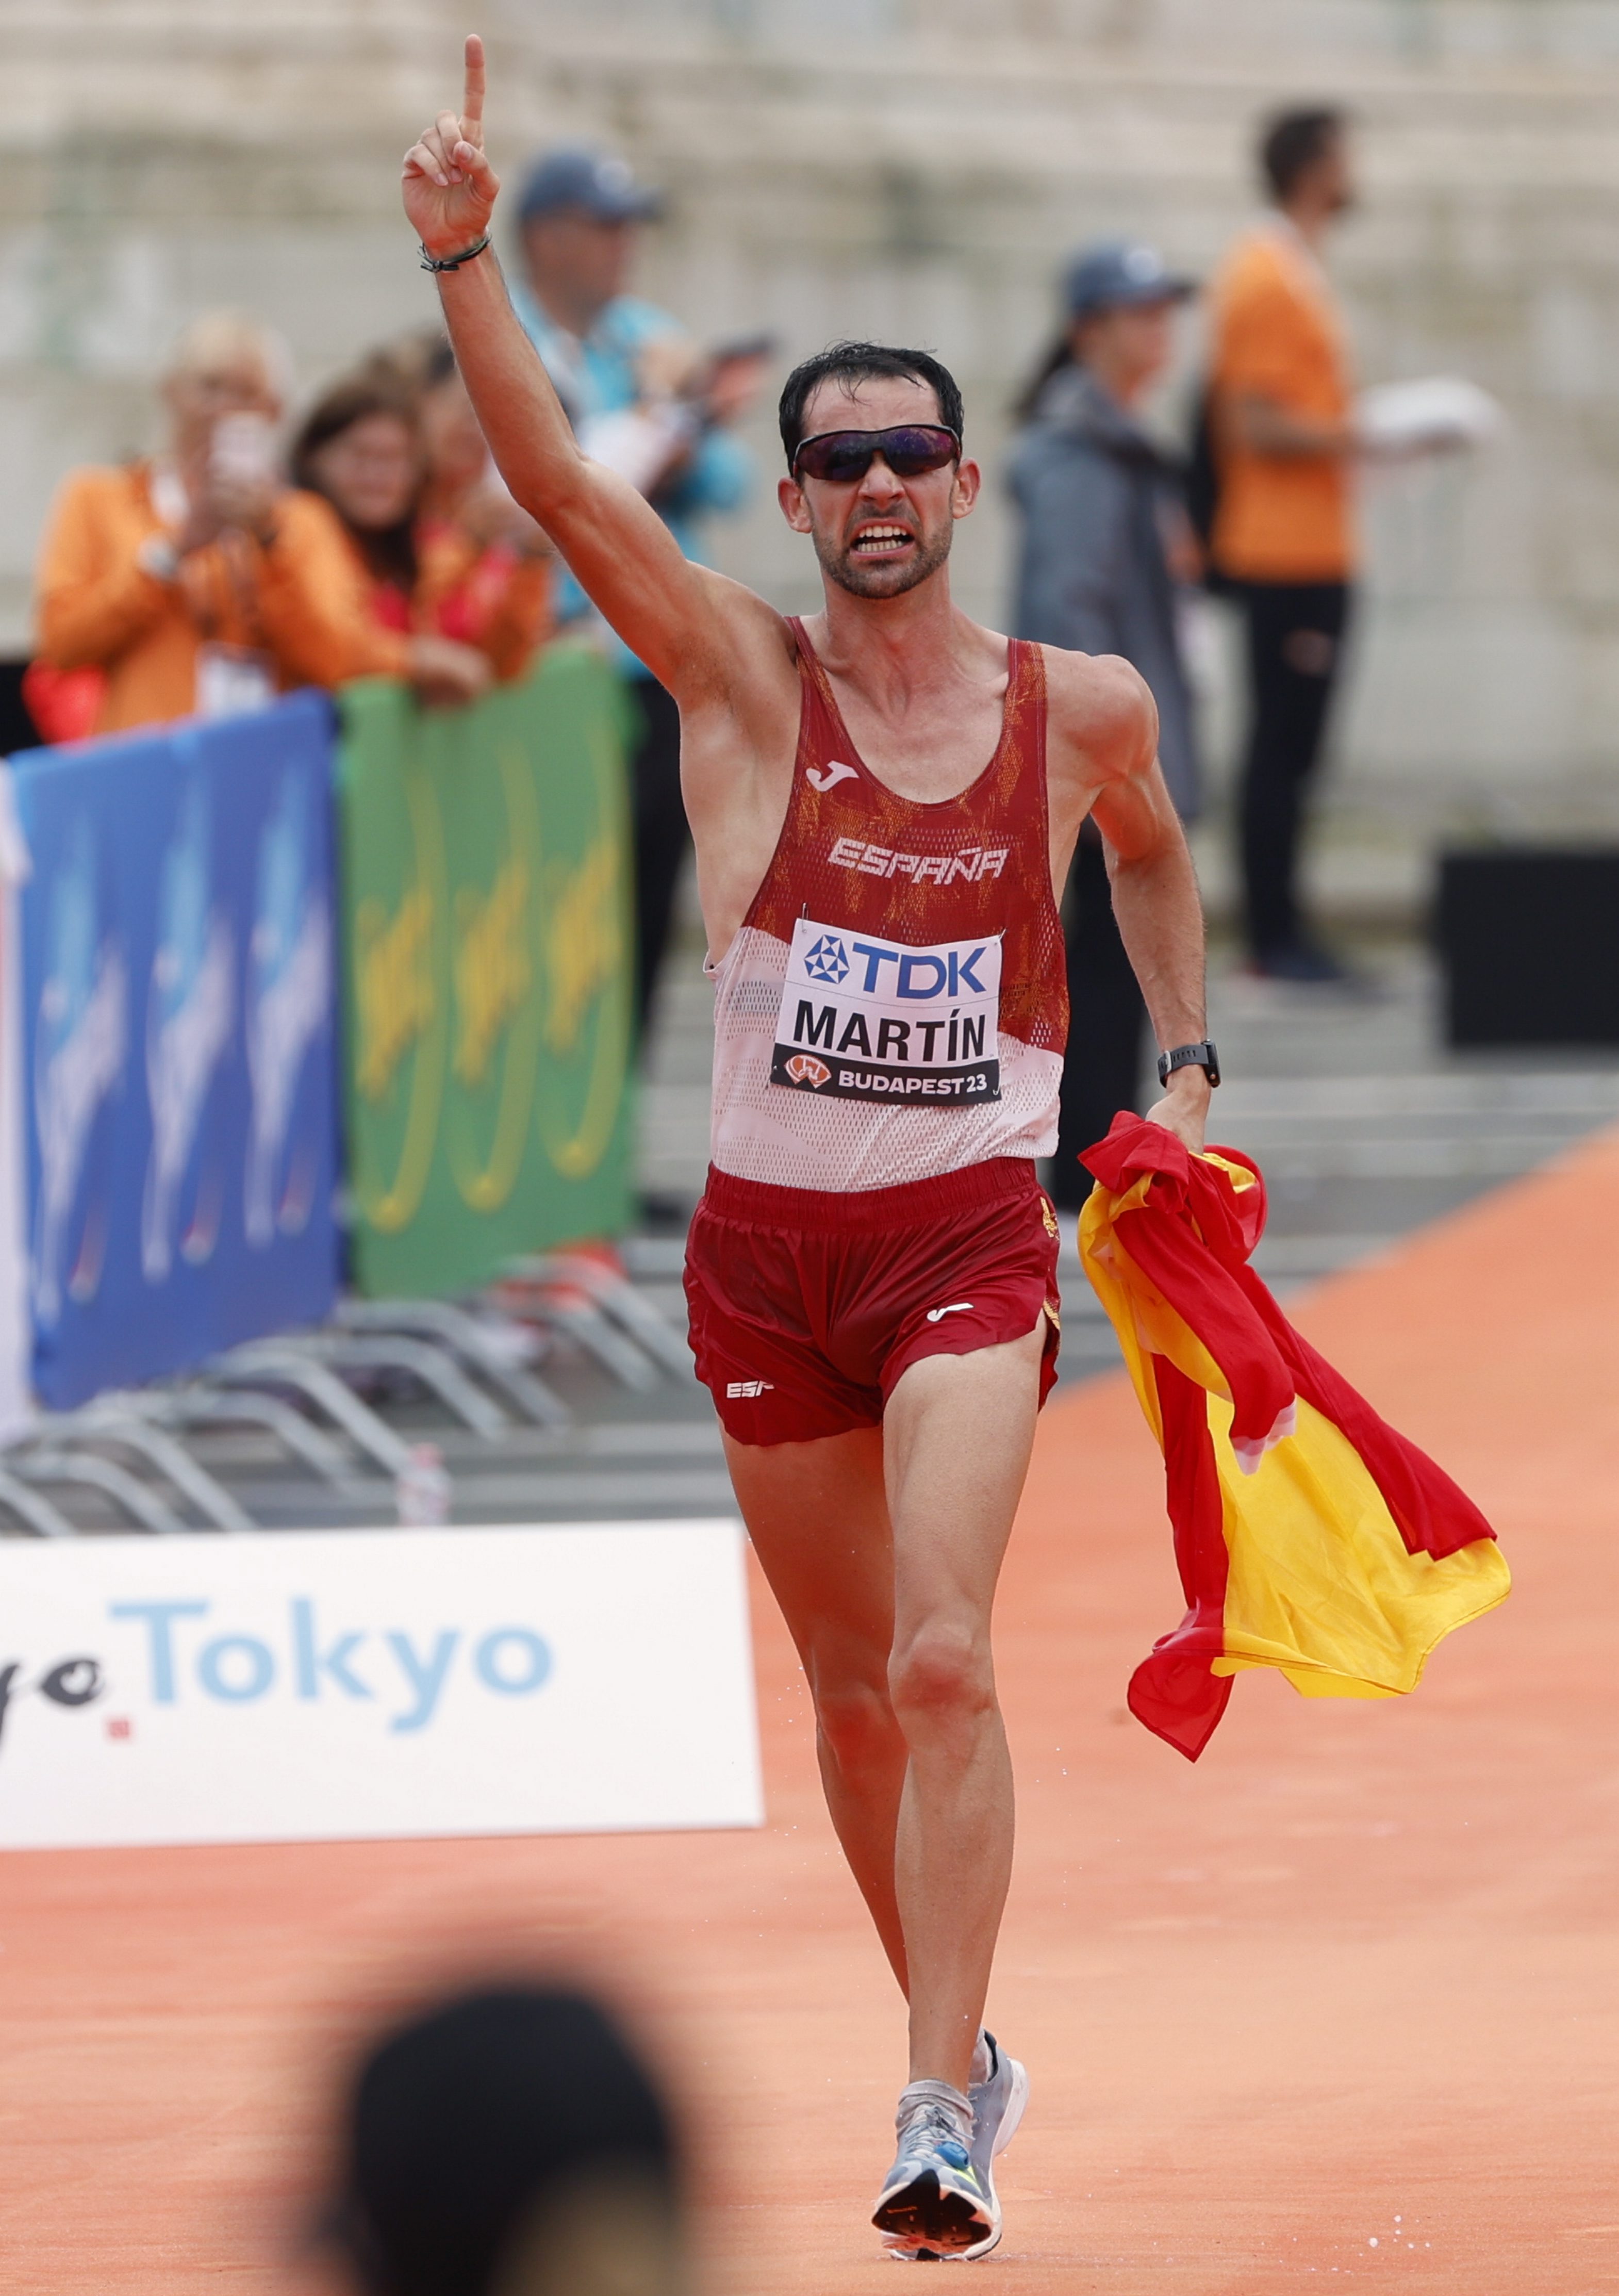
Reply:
x=827, y=960
x=873, y=1020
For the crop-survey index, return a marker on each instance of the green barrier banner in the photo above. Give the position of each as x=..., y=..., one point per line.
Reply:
x=486, y=968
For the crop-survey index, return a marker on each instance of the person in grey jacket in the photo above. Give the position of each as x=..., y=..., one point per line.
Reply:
x=1105, y=548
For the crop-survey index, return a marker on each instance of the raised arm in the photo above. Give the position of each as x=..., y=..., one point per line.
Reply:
x=626, y=559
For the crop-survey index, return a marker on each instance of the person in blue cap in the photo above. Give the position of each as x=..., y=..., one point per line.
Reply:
x=1105, y=554
x=641, y=399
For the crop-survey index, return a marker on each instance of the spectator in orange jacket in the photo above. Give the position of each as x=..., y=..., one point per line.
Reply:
x=361, y=446
x=197, y=582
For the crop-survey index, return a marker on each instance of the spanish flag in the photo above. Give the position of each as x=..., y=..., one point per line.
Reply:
x=1309, y=1536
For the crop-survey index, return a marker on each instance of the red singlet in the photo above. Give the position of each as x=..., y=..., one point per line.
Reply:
x=895, y=1005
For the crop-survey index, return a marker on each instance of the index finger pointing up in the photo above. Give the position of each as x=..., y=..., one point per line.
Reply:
x=472, y=102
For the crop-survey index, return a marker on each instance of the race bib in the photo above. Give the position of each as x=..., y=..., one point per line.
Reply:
x=864, y=1018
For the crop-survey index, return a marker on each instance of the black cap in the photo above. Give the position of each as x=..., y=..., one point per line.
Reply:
x=598, y=182
x=1118, y=272
x=464, y=2119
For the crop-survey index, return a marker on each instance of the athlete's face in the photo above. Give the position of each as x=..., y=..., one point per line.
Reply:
x=877, y=536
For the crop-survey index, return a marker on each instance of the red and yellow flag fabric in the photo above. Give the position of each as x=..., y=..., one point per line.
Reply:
x=1309, y=1536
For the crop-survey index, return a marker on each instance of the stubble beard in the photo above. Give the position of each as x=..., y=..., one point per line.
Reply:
x=876, y=579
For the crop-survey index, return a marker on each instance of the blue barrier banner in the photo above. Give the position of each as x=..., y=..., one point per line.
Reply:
x=179, y=1062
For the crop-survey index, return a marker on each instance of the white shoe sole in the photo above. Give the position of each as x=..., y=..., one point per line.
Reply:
x=947, y=2255
x=944, y=2255
x=1016, y=2106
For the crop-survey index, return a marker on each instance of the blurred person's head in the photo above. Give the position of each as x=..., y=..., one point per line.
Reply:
x=452, y=443
x=579, y=218
x=511, y=2143
x=223, y=362
x=880, y=531
x=360, y=448
x=1305, y=158
x=407, y=360
x=1120, y=298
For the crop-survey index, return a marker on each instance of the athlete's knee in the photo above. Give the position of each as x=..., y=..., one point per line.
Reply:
x=939, y=1676
x=855, y=1720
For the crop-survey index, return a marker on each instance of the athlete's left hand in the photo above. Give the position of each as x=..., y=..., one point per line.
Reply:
x=1184, y=1107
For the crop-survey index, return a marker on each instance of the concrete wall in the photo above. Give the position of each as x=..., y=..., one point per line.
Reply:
x=913, y=168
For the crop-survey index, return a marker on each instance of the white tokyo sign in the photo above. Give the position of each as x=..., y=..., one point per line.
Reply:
x=328, y=1685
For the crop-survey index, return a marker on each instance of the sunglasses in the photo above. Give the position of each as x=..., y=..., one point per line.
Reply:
x=844, y=455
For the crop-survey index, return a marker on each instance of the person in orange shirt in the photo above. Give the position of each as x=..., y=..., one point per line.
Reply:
x=197, y=582
x=1283, y=540
x=429, y=580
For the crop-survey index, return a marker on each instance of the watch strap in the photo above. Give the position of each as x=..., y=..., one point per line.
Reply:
x=1189, y=1056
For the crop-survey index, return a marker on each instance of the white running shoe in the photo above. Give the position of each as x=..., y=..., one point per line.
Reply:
x=933, y=2204
x=998, y=2104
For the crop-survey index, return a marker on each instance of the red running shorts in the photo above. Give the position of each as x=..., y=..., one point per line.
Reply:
x=808, y=1305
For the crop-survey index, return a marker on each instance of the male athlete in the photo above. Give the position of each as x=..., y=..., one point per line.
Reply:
x=885, y=799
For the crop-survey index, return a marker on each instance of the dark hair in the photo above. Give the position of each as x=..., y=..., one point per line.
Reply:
x=1294, y=141
x=1026, y=406
x=462, y=2120
x=853, y=363
x=391, y=555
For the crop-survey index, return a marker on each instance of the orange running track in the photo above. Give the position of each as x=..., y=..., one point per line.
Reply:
x=1339, y=2002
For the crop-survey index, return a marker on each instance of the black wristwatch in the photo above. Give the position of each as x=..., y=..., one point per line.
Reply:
x=1190, y=1056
